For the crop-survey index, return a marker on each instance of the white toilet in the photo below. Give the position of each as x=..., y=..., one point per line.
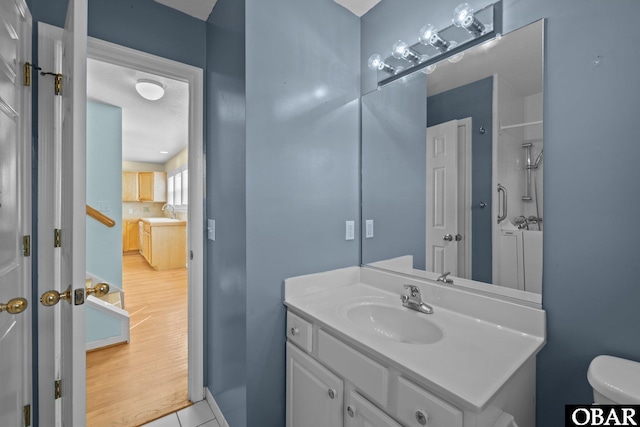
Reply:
x=615, y=381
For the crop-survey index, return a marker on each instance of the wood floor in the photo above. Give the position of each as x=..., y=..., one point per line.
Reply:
x=131, y=384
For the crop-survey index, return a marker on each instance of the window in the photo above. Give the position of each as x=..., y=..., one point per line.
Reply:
x=178, y=188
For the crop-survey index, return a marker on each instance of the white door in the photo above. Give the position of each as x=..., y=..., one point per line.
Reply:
x=15, y=213
x=73, y=207
x=362, y=413
x=442, y=198
x=314, y=394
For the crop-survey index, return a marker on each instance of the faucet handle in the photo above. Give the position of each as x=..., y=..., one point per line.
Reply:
x=413, y=290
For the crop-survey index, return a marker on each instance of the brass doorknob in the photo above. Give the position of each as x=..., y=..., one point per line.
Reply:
x=98, y=290
x=14, y=306
x=51, y=298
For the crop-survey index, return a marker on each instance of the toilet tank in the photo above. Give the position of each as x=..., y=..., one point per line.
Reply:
x=614, y=380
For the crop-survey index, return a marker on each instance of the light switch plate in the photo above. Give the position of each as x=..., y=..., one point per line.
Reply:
x=211, y=229
x=350, y=230
x=368, y=229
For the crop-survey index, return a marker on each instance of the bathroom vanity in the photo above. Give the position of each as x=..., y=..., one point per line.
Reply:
x=357, y=357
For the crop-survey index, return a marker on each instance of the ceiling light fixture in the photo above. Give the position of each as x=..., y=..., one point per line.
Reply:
x=429, y=36
x=164, y=152
x=463, y=18
x=150, y=89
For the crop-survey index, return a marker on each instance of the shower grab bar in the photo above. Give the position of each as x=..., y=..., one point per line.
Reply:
x=504, y=203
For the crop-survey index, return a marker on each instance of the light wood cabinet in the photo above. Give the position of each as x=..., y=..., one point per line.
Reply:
x=164, y=245
x=152, y=186
x=130, y=235
x=129, y=186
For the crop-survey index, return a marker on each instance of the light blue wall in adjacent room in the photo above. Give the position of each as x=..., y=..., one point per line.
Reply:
x=104, y=191
x=474, y=100
x=226, y=323
x=591, y=269
x=302, y=177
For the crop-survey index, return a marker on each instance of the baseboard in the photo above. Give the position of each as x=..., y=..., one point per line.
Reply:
x=215, y=408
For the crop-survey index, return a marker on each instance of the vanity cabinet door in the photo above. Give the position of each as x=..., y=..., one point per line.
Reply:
x=314, y=394
x=362, y=413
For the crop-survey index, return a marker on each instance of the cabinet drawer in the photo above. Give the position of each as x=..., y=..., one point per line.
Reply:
x=369, y=376
x=299, y=331
x=362, y=413
x=413, y=400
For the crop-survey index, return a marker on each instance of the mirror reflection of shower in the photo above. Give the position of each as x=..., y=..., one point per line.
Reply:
x=531, y=169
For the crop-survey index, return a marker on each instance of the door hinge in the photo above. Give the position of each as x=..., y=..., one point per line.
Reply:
x=26, y=411
x=57, y=84
x=191, y=254
x=58, y=389
x=57, y=238
x=27, y=74
x=26, y=245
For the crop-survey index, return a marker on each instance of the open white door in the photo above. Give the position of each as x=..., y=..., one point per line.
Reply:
x=73, y=183
x=442, y=198
x=15, y=214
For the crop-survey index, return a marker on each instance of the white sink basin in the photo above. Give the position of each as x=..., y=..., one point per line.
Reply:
x=398, y=324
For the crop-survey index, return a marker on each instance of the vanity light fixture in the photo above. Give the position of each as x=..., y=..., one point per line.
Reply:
x=376, y=63
x=429, y=36
x=150, y=89
x=401, y=50
x=463, y=18
x=457, y=57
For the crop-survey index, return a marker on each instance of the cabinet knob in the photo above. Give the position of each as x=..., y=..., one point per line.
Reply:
x=422, y=417
x=351, y=411
x=294, y=331
x=332, y=393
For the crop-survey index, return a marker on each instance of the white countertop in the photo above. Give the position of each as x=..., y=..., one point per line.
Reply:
x=469, y=365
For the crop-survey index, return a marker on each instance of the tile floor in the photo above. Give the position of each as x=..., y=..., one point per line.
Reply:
x=197, y=415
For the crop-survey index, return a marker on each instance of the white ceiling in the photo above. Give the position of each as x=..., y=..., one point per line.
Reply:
x=148, y=127
x=200, y=9
x=517, y=57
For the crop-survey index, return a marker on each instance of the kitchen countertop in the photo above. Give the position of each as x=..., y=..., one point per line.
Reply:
x=163, y=221
x=468, y=365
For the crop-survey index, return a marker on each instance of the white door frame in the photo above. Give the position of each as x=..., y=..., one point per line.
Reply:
x=48, y=37
x=194, y=77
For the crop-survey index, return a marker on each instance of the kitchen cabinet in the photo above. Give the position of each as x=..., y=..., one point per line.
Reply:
x=129, y=186
x=152, y=186
x=314, y=394
x=130, y=235
x=164, y=243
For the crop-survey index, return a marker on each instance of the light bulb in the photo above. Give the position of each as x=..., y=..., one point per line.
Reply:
x=398, y=48
x=430, y=69
x=458, y=56
x=463, y=17
x=429, y=36
x=374, y=62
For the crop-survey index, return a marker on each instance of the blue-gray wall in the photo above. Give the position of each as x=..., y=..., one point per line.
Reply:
x=394, y=135
x=474, y=100
x=139, y=24
x=591, y=152
x=302, y=86
x=226, y=324
x=104, y=190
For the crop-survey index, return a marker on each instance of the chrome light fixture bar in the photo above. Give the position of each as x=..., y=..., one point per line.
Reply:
x=376, y=63
x=401, y=50
x=476, y=27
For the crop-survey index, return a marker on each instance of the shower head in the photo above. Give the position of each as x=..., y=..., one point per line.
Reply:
x=538, y=159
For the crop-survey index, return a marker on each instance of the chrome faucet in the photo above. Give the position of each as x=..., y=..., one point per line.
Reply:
x=443, y=278
x=414, y=300
x=166, y=206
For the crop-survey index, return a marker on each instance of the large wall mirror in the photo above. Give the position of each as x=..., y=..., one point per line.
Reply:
x=452, y=169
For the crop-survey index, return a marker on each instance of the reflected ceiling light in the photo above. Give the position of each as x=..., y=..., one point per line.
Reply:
x=457, y=57
x=401, y=50
x=150, y=89
x=463, y=17
x=164, y=152
x=429, y=36
x=376, y=63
